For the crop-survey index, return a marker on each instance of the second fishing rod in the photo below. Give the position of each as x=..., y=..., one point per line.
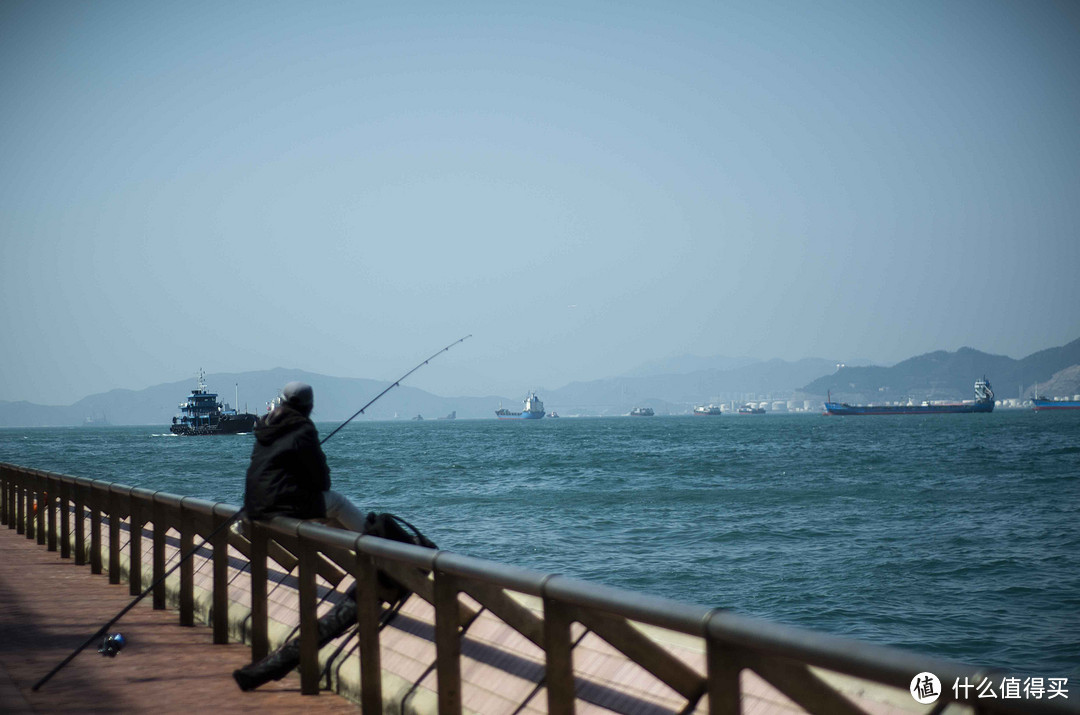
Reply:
x=111, y=649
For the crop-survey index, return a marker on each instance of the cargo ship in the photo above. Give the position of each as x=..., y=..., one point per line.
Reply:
x=983, y=402
x=708, y=410
x=642, y=412
x=534, y=410
x=1047, y=404
x=749, y=409
x=202, y=414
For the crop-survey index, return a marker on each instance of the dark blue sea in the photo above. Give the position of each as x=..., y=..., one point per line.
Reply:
x=954, y=535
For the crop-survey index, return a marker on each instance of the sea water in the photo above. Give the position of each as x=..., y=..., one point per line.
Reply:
x=951, y=535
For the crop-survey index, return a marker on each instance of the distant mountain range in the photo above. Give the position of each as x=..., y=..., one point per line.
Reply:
x=677, y=393
x=950, y=376
x=336, y=398
x=682, y=383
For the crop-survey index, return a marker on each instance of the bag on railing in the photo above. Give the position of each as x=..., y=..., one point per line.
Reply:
x=277, y=664
x=388, y=526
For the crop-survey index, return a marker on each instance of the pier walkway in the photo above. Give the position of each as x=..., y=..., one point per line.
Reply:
x=474, y=637
x=49, y=607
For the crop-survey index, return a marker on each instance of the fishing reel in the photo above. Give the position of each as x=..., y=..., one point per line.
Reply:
x=112, y=644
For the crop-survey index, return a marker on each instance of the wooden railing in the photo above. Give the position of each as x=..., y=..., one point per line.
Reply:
x=60, y=510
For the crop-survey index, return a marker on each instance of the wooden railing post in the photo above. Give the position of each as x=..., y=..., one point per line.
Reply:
x=447, y=643
x=20, y=507
x=135, y=524
x=161, y=531
x=95, y=531
x=725, y=692
x=115, y=510
x=52, y=496
x=220, y=610
x=559, y=657
x=3, y=495
x=367, y=621
x=8, y=495
x=187, y=568
x=80, y=523
x=31, y=506
x=65, y=518
x=309, y=625
x=41, y=506
x=140, y=503
x=260, y=644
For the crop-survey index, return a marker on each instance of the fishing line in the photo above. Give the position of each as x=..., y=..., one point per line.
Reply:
x=227, y=523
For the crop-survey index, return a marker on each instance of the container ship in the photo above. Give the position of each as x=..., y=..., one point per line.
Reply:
x=202, y=414
x=642, y=412
x=708, y=411
x=534, y=410
x=983, y=402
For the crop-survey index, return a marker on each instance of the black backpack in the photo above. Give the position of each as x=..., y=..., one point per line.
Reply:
x=388, y=526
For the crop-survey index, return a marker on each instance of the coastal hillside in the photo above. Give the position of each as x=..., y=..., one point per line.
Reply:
x=336, y=398
x=943, y=375
x=1062, y=383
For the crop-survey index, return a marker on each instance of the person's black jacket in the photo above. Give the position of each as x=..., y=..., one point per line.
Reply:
x=288, y=471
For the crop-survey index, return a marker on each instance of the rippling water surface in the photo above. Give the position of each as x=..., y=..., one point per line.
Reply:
x=956, y=535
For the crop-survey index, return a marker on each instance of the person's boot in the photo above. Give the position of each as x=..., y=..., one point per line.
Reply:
x=274, y=666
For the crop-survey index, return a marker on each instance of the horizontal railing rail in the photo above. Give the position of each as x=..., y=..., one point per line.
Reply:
x=59, y=511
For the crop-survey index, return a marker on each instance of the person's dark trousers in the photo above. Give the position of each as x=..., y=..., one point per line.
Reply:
x=280, y=662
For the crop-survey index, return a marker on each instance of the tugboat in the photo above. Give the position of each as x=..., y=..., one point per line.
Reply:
x=534, y=410
x=202, y=414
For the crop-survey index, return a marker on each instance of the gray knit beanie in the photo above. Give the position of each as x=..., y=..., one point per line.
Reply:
x=299, y=395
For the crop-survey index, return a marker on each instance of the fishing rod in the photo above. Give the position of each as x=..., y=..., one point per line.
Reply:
x=395, y=384
x=113, y=644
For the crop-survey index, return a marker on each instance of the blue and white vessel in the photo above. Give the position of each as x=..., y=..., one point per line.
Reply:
x=534, y=410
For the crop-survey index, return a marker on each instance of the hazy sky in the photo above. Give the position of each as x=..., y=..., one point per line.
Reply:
x=347, y=187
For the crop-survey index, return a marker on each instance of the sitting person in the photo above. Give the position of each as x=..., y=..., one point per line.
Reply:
x=288, y=474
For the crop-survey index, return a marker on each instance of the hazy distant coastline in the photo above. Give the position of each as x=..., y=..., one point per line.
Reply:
x=660, y=385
